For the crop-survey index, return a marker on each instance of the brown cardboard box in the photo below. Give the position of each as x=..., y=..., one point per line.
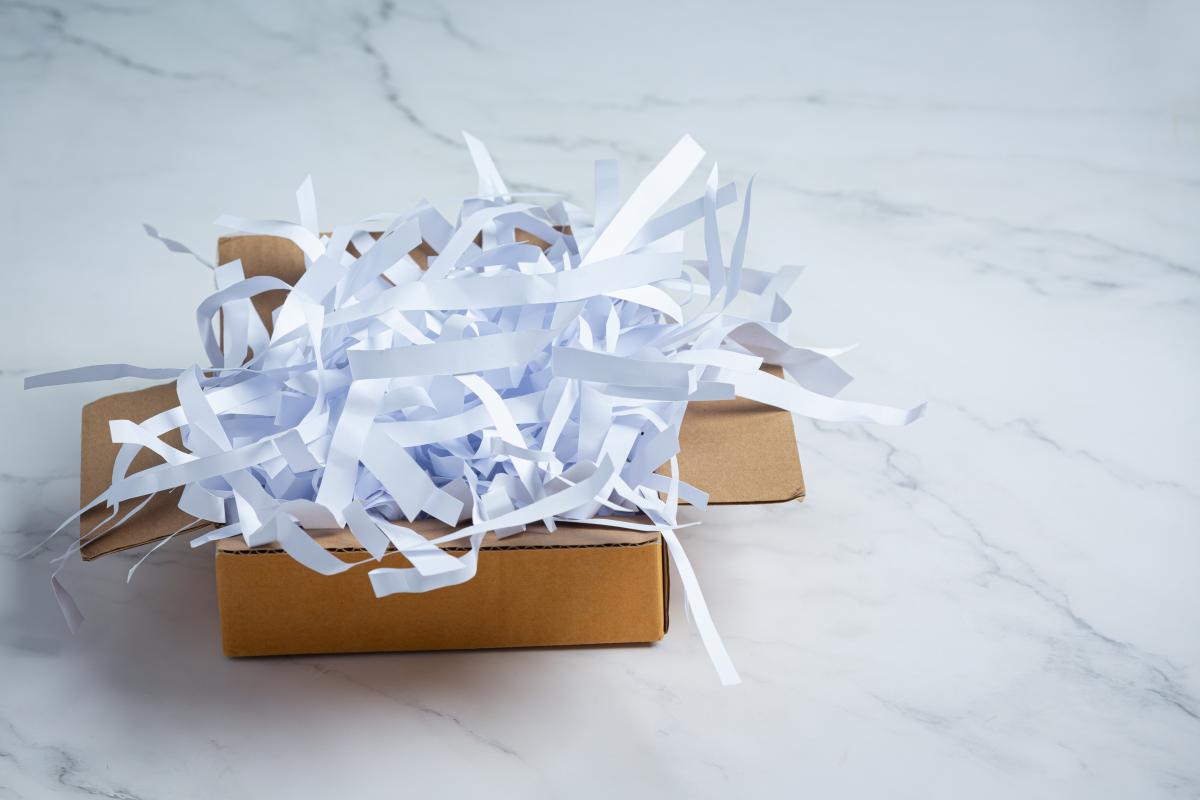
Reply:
x=578, y=585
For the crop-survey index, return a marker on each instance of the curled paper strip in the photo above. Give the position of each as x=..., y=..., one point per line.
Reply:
x=537, y=369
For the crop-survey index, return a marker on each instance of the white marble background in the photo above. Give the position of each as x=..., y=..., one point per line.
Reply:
x=999, y=201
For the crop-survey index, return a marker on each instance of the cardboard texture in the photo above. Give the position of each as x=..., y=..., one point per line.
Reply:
x=578, y=585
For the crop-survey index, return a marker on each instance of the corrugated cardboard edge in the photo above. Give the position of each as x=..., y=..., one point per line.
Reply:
x=666, y=579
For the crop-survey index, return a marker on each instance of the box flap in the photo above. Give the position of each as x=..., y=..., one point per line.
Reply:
x=161, y=515
x=738, y=451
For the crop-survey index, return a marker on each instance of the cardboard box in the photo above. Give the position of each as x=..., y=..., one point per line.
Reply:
x=578, y=585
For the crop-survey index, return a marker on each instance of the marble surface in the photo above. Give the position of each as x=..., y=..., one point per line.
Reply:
x=998, y=201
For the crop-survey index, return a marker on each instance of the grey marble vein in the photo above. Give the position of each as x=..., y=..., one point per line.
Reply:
x=58, y=28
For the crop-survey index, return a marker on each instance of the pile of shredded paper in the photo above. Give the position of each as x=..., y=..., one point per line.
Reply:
x=536, y=370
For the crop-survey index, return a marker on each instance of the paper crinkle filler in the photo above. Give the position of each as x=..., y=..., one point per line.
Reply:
x=536, y=369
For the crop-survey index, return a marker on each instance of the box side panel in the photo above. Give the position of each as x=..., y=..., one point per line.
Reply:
x=270, y=605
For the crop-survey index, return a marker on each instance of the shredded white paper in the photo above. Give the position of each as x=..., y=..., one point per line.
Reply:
x=510, y=382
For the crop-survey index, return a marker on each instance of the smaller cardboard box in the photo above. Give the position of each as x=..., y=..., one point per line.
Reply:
x=581, y=584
